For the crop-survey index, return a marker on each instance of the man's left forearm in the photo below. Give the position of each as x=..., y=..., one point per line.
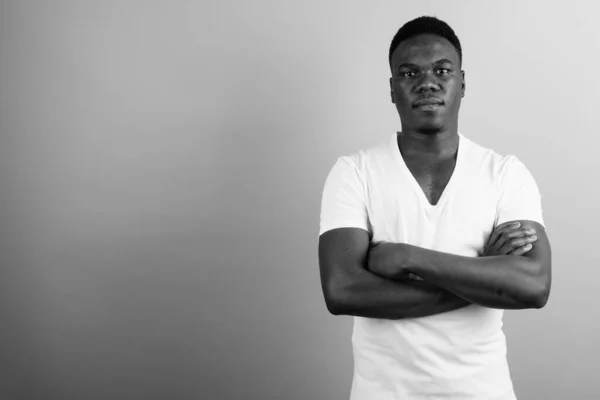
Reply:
x=506, y=282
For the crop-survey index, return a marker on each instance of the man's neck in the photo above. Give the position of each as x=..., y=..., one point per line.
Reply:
x=441, y=145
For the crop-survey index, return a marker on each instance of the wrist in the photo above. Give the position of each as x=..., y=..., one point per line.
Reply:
x=402, y=258
x=407, y=260
x=388, y=260
x=404, y=255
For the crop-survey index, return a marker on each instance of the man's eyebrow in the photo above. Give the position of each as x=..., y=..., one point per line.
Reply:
x=408, y=65
x=415, y=66
x=443, y=61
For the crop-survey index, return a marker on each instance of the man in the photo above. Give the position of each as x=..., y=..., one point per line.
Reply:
x=428, y=237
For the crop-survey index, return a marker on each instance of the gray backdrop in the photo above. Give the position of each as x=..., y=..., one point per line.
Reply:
x=161, y=168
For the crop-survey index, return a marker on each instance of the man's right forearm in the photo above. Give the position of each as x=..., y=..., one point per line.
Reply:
x=368, y=295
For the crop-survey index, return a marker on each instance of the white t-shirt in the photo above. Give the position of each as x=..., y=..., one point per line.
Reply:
x=455, y=355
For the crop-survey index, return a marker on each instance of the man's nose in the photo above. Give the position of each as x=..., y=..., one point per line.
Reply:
x=427, y=83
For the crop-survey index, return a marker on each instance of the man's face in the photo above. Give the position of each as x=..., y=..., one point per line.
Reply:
x=427, y=83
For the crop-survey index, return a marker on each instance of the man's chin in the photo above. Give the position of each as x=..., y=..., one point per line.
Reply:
x=430, y=127
x=430, y=130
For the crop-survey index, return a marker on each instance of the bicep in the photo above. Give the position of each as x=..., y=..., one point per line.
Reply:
x=342, y=252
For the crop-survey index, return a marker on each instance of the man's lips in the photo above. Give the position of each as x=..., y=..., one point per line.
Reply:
x=428, y=102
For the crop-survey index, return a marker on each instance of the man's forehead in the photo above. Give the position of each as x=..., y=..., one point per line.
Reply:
x=426, y=47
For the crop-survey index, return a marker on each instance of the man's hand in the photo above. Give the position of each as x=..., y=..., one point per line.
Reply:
x=385, y=260
x=509, y=239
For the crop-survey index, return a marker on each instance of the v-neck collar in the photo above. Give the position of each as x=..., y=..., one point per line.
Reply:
x=449, y=186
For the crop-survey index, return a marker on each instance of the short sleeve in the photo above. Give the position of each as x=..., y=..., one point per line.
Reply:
x=343, y=204
x=520, y=198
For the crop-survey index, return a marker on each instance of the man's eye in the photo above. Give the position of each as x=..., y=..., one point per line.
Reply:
x=443, y=71
x=408, y=74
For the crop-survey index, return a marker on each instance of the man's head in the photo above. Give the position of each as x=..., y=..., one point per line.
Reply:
x=427, y=82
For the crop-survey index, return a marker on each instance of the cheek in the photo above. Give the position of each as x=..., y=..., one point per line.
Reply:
x=401, y=94
x=454, y=86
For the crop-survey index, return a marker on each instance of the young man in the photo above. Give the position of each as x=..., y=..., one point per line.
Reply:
x=428, y=237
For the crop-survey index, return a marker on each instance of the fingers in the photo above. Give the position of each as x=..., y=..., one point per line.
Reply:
x=521, y=241
x=507, y=231
x=517, y=233
x=413, y=277
x=500, y=229
x=505, y=224
x=513, y=244
x=521, y=250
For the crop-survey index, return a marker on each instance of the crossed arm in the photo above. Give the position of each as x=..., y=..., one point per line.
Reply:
x=352, y=286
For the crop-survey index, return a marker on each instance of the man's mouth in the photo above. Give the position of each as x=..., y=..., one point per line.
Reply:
x=430, y=101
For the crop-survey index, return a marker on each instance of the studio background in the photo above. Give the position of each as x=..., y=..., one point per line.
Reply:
x=161, y=170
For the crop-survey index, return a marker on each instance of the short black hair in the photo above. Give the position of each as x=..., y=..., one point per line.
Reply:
x=424, y=25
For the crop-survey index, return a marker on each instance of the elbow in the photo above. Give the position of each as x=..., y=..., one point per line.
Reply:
x=540, y=298
x=539, y=286
x=335, y=299
x=335, y=304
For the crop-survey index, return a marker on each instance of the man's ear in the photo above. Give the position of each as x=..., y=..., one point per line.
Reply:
x=464, y=85
x=392, y=92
